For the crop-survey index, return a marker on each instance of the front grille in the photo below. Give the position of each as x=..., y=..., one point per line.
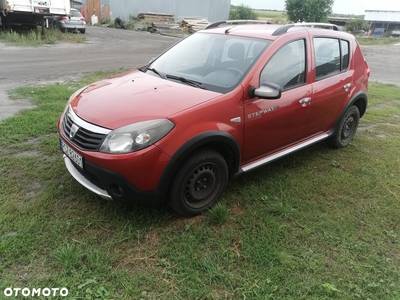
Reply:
x=91, y=177
x=84, y=139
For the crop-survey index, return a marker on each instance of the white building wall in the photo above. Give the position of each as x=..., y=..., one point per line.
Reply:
x=382, y=16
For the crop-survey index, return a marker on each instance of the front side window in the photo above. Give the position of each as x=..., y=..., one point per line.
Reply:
x=218, y=62
x=287, y=67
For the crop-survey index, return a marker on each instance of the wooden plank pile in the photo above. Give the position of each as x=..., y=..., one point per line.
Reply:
x=191, y=25
x=150, y=17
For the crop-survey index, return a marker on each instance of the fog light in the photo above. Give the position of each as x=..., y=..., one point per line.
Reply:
x=117, y=190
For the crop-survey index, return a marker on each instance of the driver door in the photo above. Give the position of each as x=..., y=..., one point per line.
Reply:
x=274, y=124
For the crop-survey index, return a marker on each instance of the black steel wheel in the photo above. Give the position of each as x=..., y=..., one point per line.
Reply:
x=347, y=128
x=199, y=183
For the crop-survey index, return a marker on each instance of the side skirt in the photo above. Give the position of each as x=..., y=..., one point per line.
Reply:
x=284, y=152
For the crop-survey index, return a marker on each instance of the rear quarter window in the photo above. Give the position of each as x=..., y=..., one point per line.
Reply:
x=345, y=54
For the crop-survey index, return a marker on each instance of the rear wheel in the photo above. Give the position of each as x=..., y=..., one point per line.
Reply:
x=199, y=183
x=347, y=128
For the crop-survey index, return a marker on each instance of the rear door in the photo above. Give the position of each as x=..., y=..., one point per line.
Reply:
x=333, y=82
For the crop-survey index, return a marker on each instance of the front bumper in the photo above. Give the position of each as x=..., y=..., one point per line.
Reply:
x=85, y=180
x=110, y=185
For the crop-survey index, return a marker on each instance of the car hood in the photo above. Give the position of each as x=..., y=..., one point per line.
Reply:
x=133, y=97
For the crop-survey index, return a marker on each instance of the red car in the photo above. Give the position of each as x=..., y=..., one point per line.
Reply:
x=223, y=101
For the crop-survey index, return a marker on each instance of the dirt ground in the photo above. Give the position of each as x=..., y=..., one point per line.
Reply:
x=384, y=62
x=104, y=49
x=111, y=49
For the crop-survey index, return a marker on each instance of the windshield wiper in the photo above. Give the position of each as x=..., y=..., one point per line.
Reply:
x=188, y=81
x=154, y=71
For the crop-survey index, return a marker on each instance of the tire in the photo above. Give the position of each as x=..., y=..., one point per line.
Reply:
x=198, y=183
x=347, y=128
x=118, y=23
x=82, y=31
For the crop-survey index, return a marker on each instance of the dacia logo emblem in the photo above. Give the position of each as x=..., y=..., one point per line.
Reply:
x=73, y=131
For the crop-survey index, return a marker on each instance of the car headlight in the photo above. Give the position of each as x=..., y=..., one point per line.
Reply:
x=136, y=136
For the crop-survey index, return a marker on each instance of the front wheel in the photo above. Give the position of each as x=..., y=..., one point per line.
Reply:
x=347, y=128
x=199, y=183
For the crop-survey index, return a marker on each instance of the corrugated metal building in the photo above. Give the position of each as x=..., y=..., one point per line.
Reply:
x=213, y=10
x=76, y=4
x=383, y=20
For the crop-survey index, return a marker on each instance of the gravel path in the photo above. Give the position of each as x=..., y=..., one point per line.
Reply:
x=111, y=49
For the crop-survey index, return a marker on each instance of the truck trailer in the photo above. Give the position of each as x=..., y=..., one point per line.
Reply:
x=30, y=13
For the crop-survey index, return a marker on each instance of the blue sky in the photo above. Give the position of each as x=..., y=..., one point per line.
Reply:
x=340, y=6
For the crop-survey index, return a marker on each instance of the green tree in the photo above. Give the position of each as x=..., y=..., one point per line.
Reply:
x=356, y=24
x=308, y=10
x=242, y=12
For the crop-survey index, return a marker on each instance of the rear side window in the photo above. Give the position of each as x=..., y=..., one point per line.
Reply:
x=75, y=13
x=331, y=56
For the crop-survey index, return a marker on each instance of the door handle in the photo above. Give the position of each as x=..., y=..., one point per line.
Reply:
x=305, y=100
x=347, y=86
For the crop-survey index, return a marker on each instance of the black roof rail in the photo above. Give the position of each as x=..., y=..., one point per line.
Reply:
x=215, y=24
x=282, y=29
x=236, y=22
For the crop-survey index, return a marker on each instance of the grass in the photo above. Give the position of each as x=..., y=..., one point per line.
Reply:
x=319, y=224
x=33, y=38
x=378, y=40
x=276, y=17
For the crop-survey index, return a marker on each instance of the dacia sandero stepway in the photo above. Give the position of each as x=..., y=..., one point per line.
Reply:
x=221, y=102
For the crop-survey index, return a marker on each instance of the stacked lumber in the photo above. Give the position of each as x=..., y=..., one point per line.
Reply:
x=165, y=29
x=149, y=17
x=191, y=25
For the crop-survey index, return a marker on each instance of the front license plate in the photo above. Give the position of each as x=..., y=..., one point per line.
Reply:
x=75, y=157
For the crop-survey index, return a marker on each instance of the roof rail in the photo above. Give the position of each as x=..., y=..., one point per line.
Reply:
x=236, y=22
x=282, y=29
x=319, y=25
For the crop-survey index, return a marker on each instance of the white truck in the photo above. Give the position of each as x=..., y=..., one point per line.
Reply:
x=30, y=13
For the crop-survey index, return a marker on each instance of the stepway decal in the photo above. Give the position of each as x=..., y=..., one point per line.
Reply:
x=262, y=112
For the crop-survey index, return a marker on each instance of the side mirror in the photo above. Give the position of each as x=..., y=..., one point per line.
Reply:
x=267, y=90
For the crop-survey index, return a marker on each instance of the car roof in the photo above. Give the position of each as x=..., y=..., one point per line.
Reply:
x=265, y=30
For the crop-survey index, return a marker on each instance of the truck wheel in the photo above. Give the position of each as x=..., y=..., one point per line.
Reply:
x=199, y=183
x=347, y=128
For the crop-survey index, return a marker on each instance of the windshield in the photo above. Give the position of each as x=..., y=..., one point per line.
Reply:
x=216, y=62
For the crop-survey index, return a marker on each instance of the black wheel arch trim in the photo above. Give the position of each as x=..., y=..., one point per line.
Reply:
x=361, y=99
x=218, y=140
